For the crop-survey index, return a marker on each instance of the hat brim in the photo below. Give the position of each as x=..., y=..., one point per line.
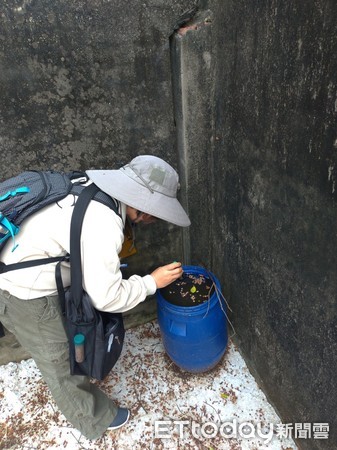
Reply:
x=123, y=188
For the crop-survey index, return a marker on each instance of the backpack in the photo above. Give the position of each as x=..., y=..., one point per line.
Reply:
x=29, y=192
x=26, y=193
x=95, y=337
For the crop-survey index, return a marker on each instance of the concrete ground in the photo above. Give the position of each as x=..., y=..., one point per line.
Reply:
x=169, y=407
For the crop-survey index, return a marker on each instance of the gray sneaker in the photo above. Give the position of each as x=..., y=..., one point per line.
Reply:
x=121, y=419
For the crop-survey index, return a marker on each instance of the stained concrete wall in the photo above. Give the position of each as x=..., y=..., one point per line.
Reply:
x=88, y=85
x=252, y=89
x=85, y=84
x=274, y=153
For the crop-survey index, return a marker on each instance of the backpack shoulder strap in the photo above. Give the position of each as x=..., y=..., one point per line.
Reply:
x=89, y=193
x=75, y=240
x=99, y=196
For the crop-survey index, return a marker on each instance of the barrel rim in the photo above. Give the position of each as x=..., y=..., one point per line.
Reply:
x=193, y=310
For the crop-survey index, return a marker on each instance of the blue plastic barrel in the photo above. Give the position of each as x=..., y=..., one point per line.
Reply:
x=194, y=337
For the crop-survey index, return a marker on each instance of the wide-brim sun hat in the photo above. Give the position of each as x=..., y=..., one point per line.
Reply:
x=148, y=184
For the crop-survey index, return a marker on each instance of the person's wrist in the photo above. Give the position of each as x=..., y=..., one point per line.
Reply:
x=150, y=283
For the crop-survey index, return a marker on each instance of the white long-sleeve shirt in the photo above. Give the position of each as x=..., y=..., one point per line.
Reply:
x=47, y=234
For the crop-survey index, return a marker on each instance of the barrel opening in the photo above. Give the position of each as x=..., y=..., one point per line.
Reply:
x=192, y=289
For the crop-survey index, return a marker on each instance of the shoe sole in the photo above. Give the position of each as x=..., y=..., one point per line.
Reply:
x=121, y=425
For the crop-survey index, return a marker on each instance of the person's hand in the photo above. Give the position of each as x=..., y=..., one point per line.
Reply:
x=165, y=275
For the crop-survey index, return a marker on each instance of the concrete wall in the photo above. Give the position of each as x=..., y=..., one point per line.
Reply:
x=85, y=84
x=274, y=224
x=88, y=85
x=258, y=90
x=242, y=98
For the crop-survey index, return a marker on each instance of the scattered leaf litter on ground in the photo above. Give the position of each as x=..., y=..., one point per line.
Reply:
x=147, y=382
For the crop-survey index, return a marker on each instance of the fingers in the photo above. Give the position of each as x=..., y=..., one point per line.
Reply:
x=175, y=273
x=173, y=265
x=165, y=275
x=175, y=270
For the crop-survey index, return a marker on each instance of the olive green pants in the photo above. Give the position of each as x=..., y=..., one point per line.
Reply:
x=38, y=326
